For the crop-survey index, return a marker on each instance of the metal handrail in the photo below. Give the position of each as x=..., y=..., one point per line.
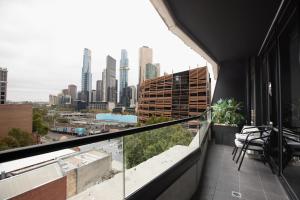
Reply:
x=23, y=152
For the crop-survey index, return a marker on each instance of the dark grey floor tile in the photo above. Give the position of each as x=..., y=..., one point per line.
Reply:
x=268, y=178
x=221, y=177
x=227, y=186
x=251, y=193
x=273, y=196
x=219, y=195
x=228, y=178
x=273, y=188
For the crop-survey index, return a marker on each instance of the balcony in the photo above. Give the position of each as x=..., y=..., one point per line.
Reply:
x=111, y=165
x=198, y=169
x=221, y=179
x=253, y=47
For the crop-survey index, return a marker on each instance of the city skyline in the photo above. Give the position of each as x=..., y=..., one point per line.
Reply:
x=53, y=56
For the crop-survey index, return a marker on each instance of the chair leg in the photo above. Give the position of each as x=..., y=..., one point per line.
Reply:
x=238, y=158
x=236, y=150
x=245, y=150
x=240, y=153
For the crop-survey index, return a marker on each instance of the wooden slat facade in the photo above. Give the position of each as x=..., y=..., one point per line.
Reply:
x=175, y=96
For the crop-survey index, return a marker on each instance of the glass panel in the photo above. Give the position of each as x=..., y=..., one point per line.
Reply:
x=272, y=89
x=150, y=153
x=93, y=171
x=290, y=83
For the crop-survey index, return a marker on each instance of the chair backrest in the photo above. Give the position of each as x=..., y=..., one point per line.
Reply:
x=248, y=129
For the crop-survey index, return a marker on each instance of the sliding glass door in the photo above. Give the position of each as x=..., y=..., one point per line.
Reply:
x=289, y=46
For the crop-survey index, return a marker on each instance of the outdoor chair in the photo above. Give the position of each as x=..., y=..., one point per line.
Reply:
x=251, y=138
x=255, y=132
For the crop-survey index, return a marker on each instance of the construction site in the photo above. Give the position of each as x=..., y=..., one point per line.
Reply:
x=178, y=95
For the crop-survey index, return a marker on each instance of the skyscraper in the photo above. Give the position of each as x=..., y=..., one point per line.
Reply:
x=53, y=100
x=111, y=94
x=93, y=96
x=104, y=89
x=3, y=85
x=145, y=57
x=152, y=71
x=86, y=75
x=123, y=72
x=99, y=90
x=65, y=91
x=157, y=66
x=133, y=96
x=72, y=92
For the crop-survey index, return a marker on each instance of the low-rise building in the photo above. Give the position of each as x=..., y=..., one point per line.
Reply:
x=15, y=116
x=108, y=106
x=47, y=183
x=85, y=170
x=54, y=176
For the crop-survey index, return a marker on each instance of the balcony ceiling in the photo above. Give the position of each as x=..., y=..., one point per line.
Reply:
x=226, y=30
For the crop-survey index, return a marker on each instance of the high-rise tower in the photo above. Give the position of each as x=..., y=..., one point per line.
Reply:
x=123, y=73
x=145, y=57
x=111, y=88
x=104, y=88
x=99, y=89
x=3, y=85
x=72, y=91
x=86, y=75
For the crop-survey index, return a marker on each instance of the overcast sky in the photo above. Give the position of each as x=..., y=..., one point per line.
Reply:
x=42, y=42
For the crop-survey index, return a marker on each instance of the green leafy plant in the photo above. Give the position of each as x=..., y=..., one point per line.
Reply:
x=141, y=147
x=16, y=138
x=228, y=112
x=38, y=123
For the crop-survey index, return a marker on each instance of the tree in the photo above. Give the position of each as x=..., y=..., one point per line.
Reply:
x=23, y=138
x=8, y=142
x=38, y=124
x=16, y=138
x=141, y=147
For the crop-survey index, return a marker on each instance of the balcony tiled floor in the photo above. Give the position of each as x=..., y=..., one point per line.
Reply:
x=220, y=177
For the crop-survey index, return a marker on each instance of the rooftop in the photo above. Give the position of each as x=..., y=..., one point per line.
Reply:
x=81, y=159
x=24, y=182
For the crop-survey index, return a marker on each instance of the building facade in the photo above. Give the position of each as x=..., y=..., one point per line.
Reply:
x=3, y=85
x=124, y=63
x=72, y=90
x=145, y=57
x=104, y=92
x=175, y=96
x=99, y=90
x=65, y=91
x=133, y=97
x=157, y=68
x=111, y=87
x=151, y=71
x=93, y=96
x=53, y=100
x=106, y=106
x=86, y=75
x=15, y=116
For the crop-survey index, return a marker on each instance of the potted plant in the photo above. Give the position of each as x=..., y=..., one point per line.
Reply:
x=227, y=119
